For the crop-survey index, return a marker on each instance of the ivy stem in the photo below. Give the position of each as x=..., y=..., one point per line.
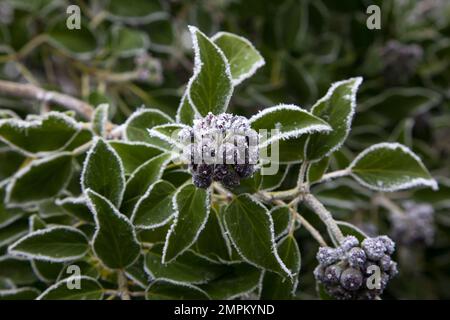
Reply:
x=335, y=174
x=301, y=176
x=123, y=285
x=324, y=215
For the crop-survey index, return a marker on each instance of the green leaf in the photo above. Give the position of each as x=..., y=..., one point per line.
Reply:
x=103, y=172
x=317, y=169
x=100, y=119
x=76, y=207
x=250, y=228
x=164, y=290
x=134, y=154
x=168, y=133
x=240, y=279
x=114, y=240
x=127, y=42
x=135, y=11
x=281, y=217
x=274, y=181
x=390, y=167
x=191, y=206
x=57, y=244
x=242, y=56
x=141, y=179
x=12, y=232
x=50, y=132
x=187, y=268
x=211, y=242
x=89, y=289
x=185, y=113
x=24, y=293
x=349, y=229
x=10, y=162
x=17, y=270
x=40, y=180
x=290, y=121
x=137, y=273
x=275, y=287
x=154, y=208
x=210, y=88
x=141, y=120
x=337, y=107
x=8, y=215
x=154, y=235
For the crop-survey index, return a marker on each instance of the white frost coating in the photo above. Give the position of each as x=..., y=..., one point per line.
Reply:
x=19, y=174
x=64, y=282
x=414, y=182
x=138, y=113
x=293, y=133
x=286, y=229
x=36, y=123
x=8, y=292
x=175, y=222
x=198, y=64
x=103, y=109
x=116, y=212
x=115, y=155
x=272, y=239
x=138, y=204
x=181, y=284
x=258, y=64
x=349, y=119
x=43, y=257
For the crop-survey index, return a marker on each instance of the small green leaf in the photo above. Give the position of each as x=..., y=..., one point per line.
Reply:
x=57, y=244
x=187, y=268
x=242, y=56
x=154, y=208
x=349, y=229
x=8, y=215
x=40, y=180
x=50, y=132
x=185, y=113
x=250, y=228
x=10, y=162
x=290, y=121
x=100, y=119
x=317, y=169
x=141, y=179
x=337, y=107
x=274, y=181
x=164, y=290
x=240, y=279
x=281, y=217
x=17, y=270
x=89, y=289
x=103, y=172
x=24, y=293
x=275, y=287
x=143, y=119
x=210, y=88
x=135, y=11
x=114, y=240
x=134, y=154
x=127, y=42
x=168, y=133
x=191, y=213
x=12, y=232
x=390, y=167
x=76, y=207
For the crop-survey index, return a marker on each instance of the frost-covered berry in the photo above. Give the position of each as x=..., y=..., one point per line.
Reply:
x=201, y=182
x=385, y=262
x=332, y=274
x=356, y=257
x=220, y=171
x=349, y=242
x=327, y=256
x=244, y=170
x=374, y=248
x=351, y=279
x=231, y=180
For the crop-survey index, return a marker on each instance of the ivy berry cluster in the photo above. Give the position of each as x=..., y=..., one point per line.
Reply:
x=220, y=148
x=344, y=270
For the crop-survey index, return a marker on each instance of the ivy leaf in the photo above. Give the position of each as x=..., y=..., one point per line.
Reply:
x=275, y=287
x=142, y=119
x=103, y=172
x=76, y=207
x=8, y=215
x=135, y=11
x=114, y=240
x=17, y=270
x=191, y=213
x=390, y=167
x=134, y=154
x=317, y=169
x=165, y=290
x=56, y=244
x=337, y=107
x=89, y=289
x=210, y=88
x=154, y=208
x=240, y=279
x=349, y=229
x=40, y=180
x=274, y=181
x=12, y=232
x=291, y=121
x=168, y=133
x=185, y=113
x=24, y=293
x=141, y=179
x=10, y=162
x=281, y=217
x=48, y=133
x=250, y=228
x=187, y=268
x=100, y=119
x=242, y=56
x=127, y=42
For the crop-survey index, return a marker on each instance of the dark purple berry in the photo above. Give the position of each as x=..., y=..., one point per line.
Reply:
x=220, y=171
x=332, y=274
x=244, y=170
x=349, y=242
x=327, y=256
x=351, y=279
x=374, y=248
x=231, y=180
x=201, y=182
x=356, y=257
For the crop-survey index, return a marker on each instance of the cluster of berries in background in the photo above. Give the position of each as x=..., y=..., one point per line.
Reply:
x=415, y=226
x=220, y=148
x=344, y=271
